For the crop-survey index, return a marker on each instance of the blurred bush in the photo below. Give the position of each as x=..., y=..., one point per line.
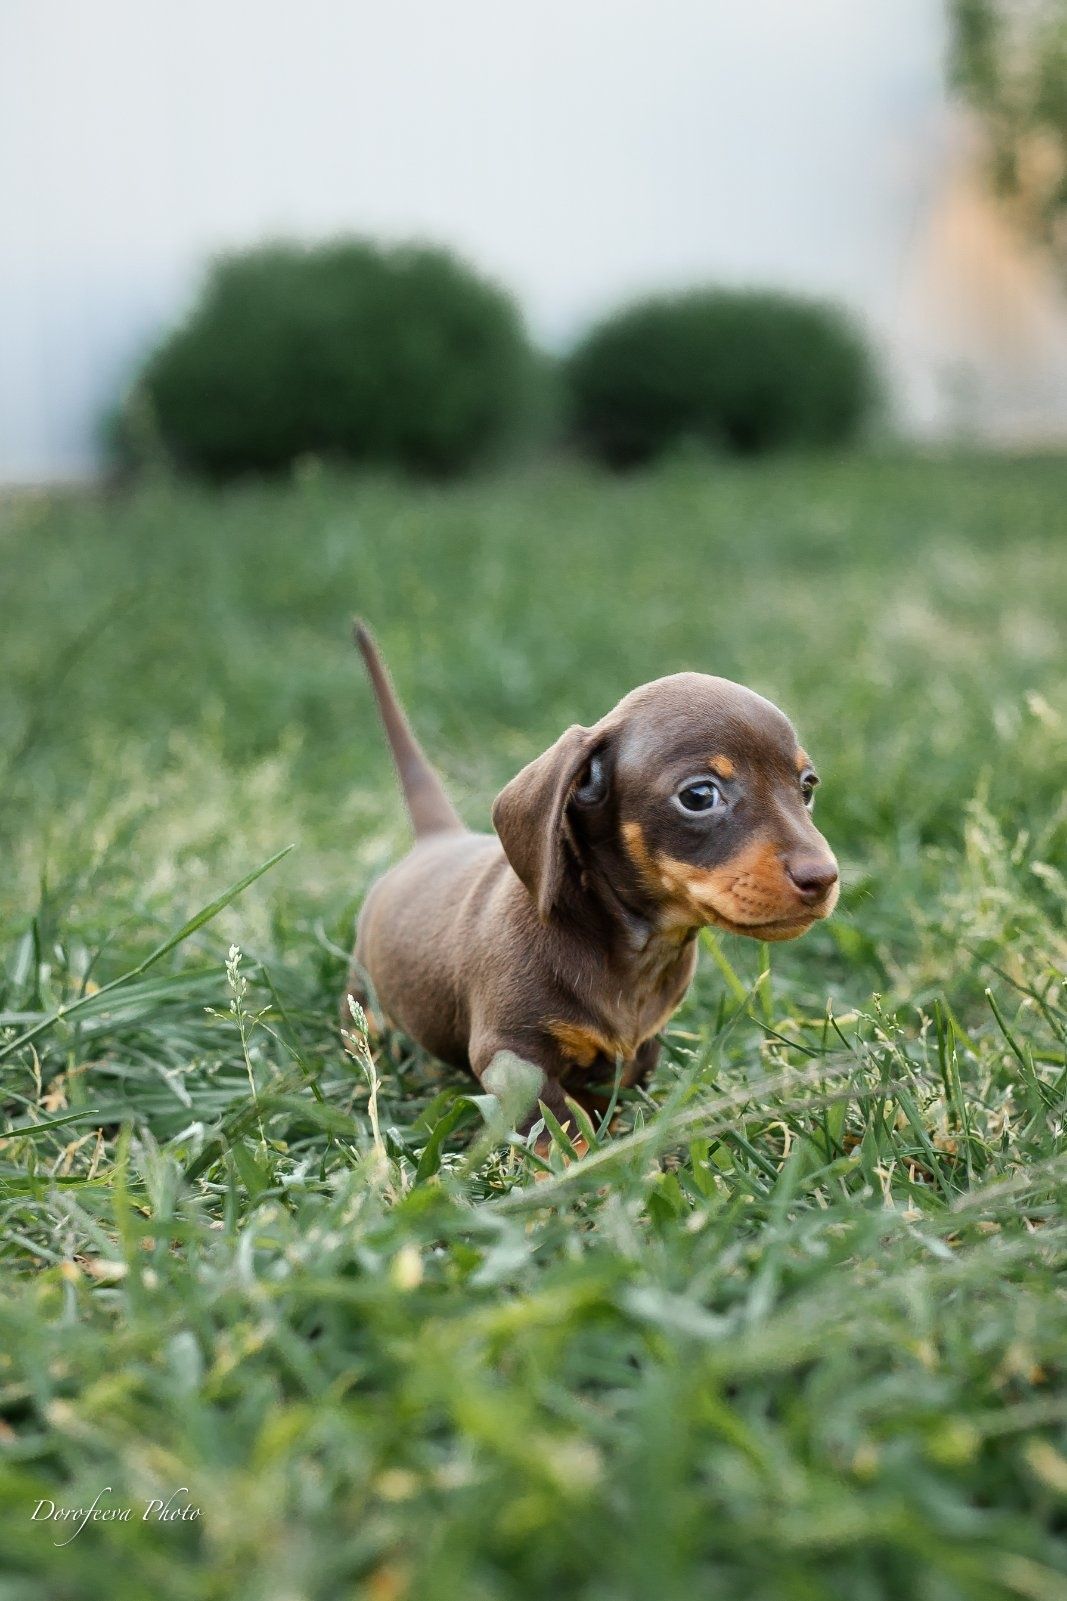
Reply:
x=742, y=370
x=393, y=356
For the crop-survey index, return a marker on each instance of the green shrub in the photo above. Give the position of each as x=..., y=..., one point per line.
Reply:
x=742, y=370
x=395, y=356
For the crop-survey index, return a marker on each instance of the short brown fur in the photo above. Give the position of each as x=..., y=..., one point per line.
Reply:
x=569, y=937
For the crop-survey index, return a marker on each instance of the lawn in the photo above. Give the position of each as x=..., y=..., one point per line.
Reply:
x=798, y=1329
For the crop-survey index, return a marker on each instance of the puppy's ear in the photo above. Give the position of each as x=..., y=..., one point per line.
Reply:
x=529, y=814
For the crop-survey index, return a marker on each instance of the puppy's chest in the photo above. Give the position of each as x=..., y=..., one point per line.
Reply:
x=618, y=1020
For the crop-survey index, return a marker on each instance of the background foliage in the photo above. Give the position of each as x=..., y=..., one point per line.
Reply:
x=1010, y=62
x=403, y=357
x=348, y=350
x=736, y=370
x=797, y=1329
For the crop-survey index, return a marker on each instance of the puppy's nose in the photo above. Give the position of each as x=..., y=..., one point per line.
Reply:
x=812, y=875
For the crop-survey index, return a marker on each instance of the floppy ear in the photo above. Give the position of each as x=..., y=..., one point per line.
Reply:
x=529, y=813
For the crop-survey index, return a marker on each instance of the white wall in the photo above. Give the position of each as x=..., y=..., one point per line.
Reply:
x=578, y=149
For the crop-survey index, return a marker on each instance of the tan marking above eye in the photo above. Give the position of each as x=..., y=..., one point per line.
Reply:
x=803, y=760
x=723, y=767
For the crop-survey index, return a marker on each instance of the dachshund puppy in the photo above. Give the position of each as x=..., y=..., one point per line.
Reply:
x=569, y=936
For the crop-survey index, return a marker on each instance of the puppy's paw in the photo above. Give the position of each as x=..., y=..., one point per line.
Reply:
x=544, y=1148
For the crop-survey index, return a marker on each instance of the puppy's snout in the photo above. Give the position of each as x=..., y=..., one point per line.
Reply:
x=813, y=875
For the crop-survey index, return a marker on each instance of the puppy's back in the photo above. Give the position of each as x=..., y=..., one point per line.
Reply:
x=418, y=930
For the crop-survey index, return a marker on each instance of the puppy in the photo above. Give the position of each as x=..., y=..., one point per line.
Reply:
x=569, y=936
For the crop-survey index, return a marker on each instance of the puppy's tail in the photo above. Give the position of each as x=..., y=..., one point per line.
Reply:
x=430, y=808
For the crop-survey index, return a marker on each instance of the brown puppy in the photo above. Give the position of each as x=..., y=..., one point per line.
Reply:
x=571, y=938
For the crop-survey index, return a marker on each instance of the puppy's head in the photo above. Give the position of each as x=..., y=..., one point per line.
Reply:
x=691, y=801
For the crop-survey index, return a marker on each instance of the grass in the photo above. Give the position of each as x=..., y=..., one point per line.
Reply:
x=799, y=1330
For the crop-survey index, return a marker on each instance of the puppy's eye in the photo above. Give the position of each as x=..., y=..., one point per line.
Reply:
x=808, y=783
x=703, y=796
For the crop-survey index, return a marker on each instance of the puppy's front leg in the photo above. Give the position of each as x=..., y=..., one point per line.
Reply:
x=551, y=1094
x=506, y=1069
x=640, y=1069
x=634, y=1073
